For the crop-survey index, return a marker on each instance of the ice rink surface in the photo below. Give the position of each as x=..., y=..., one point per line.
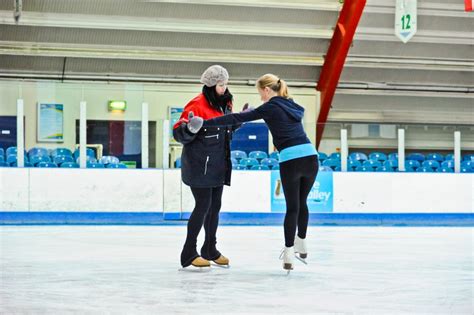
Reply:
x=134, y=270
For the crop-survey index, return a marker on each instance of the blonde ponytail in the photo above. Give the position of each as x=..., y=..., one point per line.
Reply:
x=275, y=83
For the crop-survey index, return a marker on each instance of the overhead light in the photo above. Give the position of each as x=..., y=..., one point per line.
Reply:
x=117, y=106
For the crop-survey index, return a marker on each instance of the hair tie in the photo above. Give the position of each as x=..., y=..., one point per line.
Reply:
x=278, y=81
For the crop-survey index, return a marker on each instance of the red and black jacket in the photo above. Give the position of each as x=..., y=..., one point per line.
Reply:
x=205, y=161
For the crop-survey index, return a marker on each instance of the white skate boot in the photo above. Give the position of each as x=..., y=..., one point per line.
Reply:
x=300, y=249
x=287, y=255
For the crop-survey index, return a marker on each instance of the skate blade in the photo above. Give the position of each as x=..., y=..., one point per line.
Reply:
x=195, y=269
x=301, y=259
x=213, y=264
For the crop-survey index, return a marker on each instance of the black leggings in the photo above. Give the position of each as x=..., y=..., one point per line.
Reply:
x=206, y=211
x=297, y=178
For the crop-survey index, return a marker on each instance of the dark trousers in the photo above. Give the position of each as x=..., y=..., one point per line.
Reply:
x=206, y=211
x=297, y=178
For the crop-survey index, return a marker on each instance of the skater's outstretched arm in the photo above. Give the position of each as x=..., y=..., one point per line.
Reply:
x=261, y=112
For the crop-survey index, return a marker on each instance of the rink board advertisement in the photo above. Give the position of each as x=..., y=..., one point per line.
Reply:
x=320, y=198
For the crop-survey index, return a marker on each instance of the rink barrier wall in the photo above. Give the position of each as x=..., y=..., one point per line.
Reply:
x=133, y=196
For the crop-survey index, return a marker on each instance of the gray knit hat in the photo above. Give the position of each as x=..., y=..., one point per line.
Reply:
x=213, y=75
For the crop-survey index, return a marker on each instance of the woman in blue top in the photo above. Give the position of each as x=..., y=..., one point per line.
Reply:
x=298, y=157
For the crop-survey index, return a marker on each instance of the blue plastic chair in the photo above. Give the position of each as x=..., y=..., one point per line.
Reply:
x=372, y=163
x=259, y=155
x=36, y=159
x=239, y=167
x=384, y=169
x=109, y=159
x=89, y=159
x=47, y=164
x=325, y=169
x=353, y=164
x=338, y=169
x=332, y=163
x=364, y=169
x=322, y=156
x=449, y=157
x=177, y=163
x=2, y=153
x=69, y=164
x=259, y=168
x=430, y=163
x=445, y=170
x=59, y=159
x=466, y=170
x=467, y=164
x=234, y=161
x=274, y=155
x=248, y=162
x=359, y=156
x=393, y=164
x=95, y=165
x=4, y=164
x=116, y=165
x=412, y=163
x=238, y=155
x=61, y=151
x=269, y=162
x=38, y=151
x=276, y=167
x=435, y=157
x=416, y=157
x=378, y=156
x=468, y=157
x=409, y=169
x=424, y=169
x=448, y=163
x=393, y=156
x=335, y=156
x=89, y=152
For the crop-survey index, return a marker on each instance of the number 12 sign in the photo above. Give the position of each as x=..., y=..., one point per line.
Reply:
x=405, y=19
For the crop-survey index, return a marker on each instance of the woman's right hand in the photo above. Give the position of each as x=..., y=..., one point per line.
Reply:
x=194, y=123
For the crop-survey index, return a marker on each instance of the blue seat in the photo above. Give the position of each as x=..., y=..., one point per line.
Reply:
x=467, y=164
x=61, y=151
x=449, y=157
x=38, y=151
x=109, y=159
x=412, y=163
x=59, y=159
x=248, y=162
x=89, y=159
x=12, y=150
x=2, y=158
x=448, y=163
x=36, y=159
x=335, y=156
x=466, y=170
x=2, y=153
x=322, y=156
x=95, y=165
x=69, y=164
x=275, y=155
x=353, y=164
x=3, y=164
x=89, y=152
x=239, y=167
x=269, y=162
x=364, y=169
x=338, y=169
x=468, y=157
x=47, y=164
x=260, y=168
x=26, y=164
x=258, y=155
x=425, y=169
x=177, y=163
x=332, y=163
x=238, y=155
x=384, y=169
x=435, y=157
x=431, y=163
x=234, y=161
x=444, y=169
x=359, y=156
x=416, y=157
x=276, y=167
x=393, y=164
x=378, y=156
x=372, y=163
x=409, y=169
x=12, y=158
x=393, y=156
x=325, y=169
x=116, y=165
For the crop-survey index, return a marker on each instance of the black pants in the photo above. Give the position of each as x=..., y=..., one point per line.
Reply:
x=206, y=211
x=297, y=178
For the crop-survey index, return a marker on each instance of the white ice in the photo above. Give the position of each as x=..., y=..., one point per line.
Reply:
x=134, y=270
